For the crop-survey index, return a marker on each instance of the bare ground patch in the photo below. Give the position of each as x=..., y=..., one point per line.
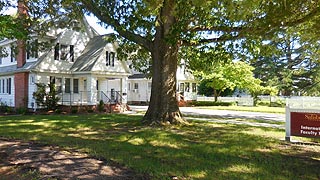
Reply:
x=29, y=160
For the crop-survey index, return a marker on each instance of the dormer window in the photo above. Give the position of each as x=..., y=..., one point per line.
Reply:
x=64, y=52
x=110, y=56
x=32, y=49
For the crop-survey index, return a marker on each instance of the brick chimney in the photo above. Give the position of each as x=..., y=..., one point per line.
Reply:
x=21, y=44
x=21, y=78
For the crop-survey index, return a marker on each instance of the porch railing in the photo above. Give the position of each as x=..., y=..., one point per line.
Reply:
x=72, y=98
x=114, y=97
x=89, y=97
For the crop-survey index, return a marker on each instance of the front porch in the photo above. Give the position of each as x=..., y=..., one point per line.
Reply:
x=86, y=90
x=85, y=98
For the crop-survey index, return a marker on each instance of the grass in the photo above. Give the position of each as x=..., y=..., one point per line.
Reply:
x=202, y=150
x=266, y=109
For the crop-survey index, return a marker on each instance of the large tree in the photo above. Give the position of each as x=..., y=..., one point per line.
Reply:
x=161, y=27
x=290, y=61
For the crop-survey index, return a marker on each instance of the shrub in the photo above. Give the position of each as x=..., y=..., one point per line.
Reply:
x=263, y=103
x=278, y=103
x=101, y=106
x=74, y=110
x=4, y=107
x=58, y=111
x=47, y=99
x=21, y=110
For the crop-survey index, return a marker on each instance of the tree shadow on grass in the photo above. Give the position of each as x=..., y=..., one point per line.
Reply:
x=199, y=151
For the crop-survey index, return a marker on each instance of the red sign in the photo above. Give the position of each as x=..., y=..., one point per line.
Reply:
x=305, y=124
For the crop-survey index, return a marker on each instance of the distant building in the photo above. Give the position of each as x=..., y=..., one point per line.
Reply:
x=139, y=86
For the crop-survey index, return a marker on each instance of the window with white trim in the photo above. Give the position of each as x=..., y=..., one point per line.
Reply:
x=136, y=86
x=75, y=85
x=67, y=85
x=5, y=85
x=64, y=52
x=32, y=49
x=110, y=57
x=194, y=87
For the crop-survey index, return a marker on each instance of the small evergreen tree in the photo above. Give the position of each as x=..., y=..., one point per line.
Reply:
x=49, y=100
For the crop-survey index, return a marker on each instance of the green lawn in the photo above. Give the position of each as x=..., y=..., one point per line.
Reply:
x=279, y=110
x=202, y=150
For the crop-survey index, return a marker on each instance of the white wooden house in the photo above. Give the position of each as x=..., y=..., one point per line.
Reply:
x=139, y=86
x=82, y=64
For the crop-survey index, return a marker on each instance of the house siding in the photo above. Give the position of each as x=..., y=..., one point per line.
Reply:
x=49, y=64
x=101, y=66
x=142, y=93
x=33, y=79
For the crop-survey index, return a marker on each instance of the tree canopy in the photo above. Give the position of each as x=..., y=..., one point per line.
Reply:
x=159, y=28
x=289, y=61
x=10, y=26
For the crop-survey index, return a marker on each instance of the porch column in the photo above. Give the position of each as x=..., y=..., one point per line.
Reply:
x=123, y=89
x=92, y=90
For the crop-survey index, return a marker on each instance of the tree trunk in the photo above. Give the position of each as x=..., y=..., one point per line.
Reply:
x=215, y=94
x=163, y=108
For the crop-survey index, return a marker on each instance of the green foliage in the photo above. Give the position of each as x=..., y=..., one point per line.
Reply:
x=227, y=75
x=48, y=99
x=206, y=90
x=277, y=103
x=58, y=111
x=74, y=110
x=162, y=28
x=289, y=62
x=4, y=108
x=10, y=27
x=21, y=110
x=90, y=111
x=101, y=106
x=210, y=103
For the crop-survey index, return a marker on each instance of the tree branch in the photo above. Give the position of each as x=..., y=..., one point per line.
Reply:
x=92, y=7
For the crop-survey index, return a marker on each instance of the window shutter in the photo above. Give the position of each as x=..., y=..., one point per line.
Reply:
x=56, y=51
x=107, y=58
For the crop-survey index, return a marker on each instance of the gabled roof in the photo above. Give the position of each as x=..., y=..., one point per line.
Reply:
x=13, y=68
x=90, y=55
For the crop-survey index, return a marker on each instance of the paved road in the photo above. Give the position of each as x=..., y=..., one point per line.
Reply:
x=231, y=116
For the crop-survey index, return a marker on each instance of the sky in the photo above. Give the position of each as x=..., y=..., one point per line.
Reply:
x=93, y=21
